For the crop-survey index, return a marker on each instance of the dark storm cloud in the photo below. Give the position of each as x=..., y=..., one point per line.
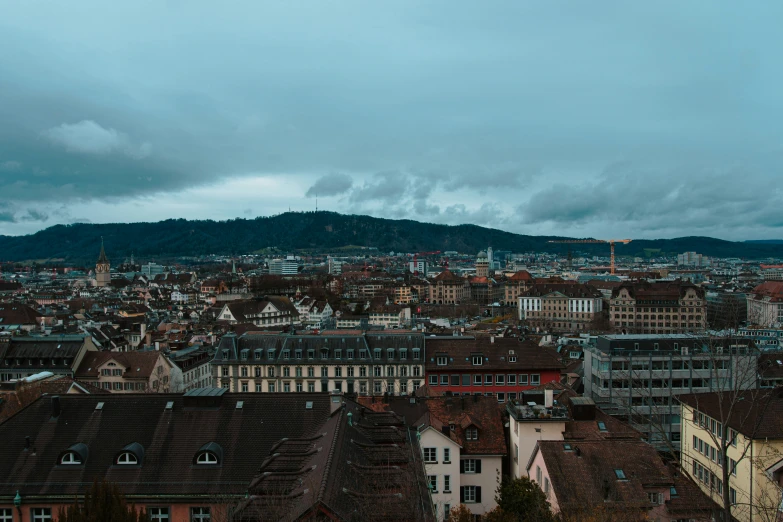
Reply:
x=445, y=111
x=333, y=184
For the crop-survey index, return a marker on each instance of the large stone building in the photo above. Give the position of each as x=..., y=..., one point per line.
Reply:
x=364, y=363
x=765, y=304
x=662, y=307
x=449, y=288
x=127, y=372
x=267, y=312
x=482, y=265
x=516, y=285
x=24, y=356
x=102, y=269
x=560, y=306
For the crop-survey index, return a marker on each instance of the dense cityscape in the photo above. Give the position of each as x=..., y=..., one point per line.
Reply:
x=256, y=387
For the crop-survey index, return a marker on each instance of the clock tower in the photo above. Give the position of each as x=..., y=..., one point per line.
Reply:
x=102, y=275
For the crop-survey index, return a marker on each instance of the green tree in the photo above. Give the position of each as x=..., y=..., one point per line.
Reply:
x=104, y=502
x=523, y=499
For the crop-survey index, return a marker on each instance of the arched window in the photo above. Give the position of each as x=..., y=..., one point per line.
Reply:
x=127, y=458
x=70, y=458
x=210, y=454
x=206, y=457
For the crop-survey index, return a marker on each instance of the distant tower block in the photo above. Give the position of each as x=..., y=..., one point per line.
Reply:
x=102, y=267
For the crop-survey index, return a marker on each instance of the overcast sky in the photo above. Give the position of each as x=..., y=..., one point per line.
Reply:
x=603, y=119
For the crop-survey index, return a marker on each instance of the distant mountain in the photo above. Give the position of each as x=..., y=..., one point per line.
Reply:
x=319, y=231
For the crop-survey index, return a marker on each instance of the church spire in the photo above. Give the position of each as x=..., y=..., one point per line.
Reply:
x=102, y=257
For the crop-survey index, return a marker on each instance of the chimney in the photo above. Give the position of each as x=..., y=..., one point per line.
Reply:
x=336, y=401
x=55, y=406
x=548, y=398
x=492, y=339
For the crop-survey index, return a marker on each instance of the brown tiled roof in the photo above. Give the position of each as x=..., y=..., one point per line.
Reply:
x=754, y=413
x=448, y=276
x=15, y=313
x=770, y=289
x=459, y=350
x=771, y=365
x=485, y=413
x=585, y=475
x=170, y=438
x=522, y=275
x=137, y=365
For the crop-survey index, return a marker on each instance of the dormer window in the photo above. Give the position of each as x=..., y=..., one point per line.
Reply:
x=478, y=360
x=70, y=458
x=210, y=454
x=127, y=458
x=471, y=433
x=76, y=455
x=442, y=360
x=206, y=457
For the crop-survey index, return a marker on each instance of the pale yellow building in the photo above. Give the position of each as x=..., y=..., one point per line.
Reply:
x=749, y=425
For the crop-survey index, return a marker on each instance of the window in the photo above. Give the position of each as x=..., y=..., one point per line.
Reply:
x=535, y=379
x=432, y=483
x=620, y=474
x=500, y=379
x=446, y=456
x=447, y=483
x=523, y=379
x=477, y=379
x=538, y=474
x=546, y=485
x=200, y=514
x=512, y=358
x=512, y=379
x=433, y=380
x=70, y=458
x=732, y=496
x=442, y=360
x=488, y=380
x=654, y=498
x=158, y=514
x=206, y=457
x=444, y=380
x=470, y=466
x=470, y=494
x=271, y=387
x=430, y=454
x=6, y=515
x=446, y=512
x=478, y=360
x=127, y=458
x=471, y=433
x=41, y=514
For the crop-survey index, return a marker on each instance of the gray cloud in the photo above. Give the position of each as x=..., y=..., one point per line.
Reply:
x=333, y=184
x=88, y=137
x=459, y=109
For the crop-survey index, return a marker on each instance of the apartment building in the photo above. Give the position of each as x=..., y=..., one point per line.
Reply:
x=772, y=272
x=449, y=288
x=127, y=372
x=24, y=356
x=765, y=304
x=193, y=362
x=662, y=307
x=501, y=367
x=560, y=306
x=638, y=377
x=746, y=428
x=516, y=285
x=463, y=445
x=267, y=312
x=354, y=362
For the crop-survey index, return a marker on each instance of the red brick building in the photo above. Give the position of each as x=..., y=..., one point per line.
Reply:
x=489, y=366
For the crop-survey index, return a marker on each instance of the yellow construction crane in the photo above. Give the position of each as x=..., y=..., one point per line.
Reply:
x=610, y=241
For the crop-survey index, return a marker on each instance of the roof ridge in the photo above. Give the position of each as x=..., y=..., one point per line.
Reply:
x=328, y=465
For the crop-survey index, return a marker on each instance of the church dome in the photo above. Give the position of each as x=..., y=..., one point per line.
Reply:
x=482, y=255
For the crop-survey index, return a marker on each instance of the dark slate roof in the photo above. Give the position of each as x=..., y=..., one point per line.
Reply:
x=459, y=350
x=170, y=438
x=658, y=290
x=15, y=313
x=41, y=347
x=136, y=365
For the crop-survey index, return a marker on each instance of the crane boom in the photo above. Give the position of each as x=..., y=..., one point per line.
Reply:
x=610, y=241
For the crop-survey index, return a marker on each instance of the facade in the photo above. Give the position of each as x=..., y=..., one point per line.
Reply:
x=516, y=285
x=102, y=269
x=213, y=456
x=498, y=367
x=772, y=272
x=193, y=362
x=765, y=304
x=365, y=364
x=128, y=372
x=560, y=306
x=665, y=307
x=726, y=310
x=482, y=265
x=463, y=445
x=449, y=288
x=752, y=438
x=24, y=356
x=638, y=377
x=692, y=259
x=313, y=312
x=418, y=267
x=267, y=312
x=288, y=266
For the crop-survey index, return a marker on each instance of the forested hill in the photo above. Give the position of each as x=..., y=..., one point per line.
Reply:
x=320, y=231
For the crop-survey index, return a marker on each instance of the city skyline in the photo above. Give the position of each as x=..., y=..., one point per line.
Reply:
x=609, y=120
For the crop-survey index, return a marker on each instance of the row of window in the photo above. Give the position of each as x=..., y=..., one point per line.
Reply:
x=668, y=364
x=378, y=371
x=485, y=380
x=379, y=387
x=130, y=458
x=324, y=353
x=432, y=483
x=713, y=426
x=711, y=481
x=39, y=362
x=713, y=454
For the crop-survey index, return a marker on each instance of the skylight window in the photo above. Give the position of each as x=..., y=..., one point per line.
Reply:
x=620, y=474
x=601, y=426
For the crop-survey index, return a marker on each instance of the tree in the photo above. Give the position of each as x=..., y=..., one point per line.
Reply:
x=522, y=499
x=460, y=513
x=102, y=503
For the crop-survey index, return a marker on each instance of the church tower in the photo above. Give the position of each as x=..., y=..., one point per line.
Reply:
x=102, y=275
